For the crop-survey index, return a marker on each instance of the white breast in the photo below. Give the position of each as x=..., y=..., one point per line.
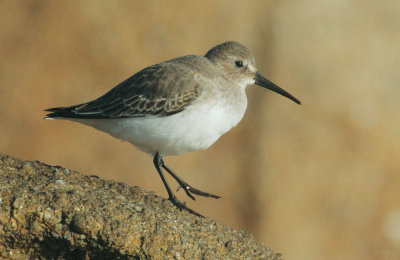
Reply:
x=197, y=127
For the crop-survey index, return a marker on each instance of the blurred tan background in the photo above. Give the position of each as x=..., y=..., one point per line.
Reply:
x=317, y=181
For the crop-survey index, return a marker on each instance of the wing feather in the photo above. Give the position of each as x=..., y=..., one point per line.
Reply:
x=159, y=90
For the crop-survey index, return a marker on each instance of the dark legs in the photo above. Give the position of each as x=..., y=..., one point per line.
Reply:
x=189, y=190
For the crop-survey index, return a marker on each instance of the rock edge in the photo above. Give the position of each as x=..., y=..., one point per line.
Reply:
x=53, y=212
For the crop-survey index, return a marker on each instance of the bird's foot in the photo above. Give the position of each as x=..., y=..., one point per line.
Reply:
x=189, y=190
x=182, y=206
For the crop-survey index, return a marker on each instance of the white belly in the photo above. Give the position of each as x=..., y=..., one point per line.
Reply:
x=197, y=127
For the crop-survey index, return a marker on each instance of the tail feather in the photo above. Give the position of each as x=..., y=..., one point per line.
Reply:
x=60, y=112
x=73, y=112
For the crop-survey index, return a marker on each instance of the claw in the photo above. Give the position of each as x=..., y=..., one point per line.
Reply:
x=182, y=206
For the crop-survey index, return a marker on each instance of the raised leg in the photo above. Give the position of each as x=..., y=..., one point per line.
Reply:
x=158, y=163
x=188, y=188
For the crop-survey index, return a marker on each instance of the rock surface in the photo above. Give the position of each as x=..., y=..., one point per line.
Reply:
x=51, y=212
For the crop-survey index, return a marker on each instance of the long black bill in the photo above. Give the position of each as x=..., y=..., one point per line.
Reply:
x=265, y=83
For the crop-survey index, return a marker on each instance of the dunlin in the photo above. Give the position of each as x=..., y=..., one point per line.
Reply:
x=177, y=106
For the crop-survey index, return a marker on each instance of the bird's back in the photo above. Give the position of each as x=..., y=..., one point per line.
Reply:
x=159, y=90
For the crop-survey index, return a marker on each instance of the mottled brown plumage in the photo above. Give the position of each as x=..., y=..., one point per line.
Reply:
x=159, y=90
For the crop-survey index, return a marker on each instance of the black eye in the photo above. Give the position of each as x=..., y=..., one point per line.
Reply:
x=239, y=63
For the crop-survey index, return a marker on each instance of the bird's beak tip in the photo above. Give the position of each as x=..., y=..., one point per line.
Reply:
x=265, y=83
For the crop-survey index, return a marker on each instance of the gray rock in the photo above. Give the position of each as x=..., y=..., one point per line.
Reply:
x=50, y=212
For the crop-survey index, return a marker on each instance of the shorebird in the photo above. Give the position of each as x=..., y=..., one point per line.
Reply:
x=177, y=106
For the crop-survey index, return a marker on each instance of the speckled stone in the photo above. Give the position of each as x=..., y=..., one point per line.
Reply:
x=50, y=212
